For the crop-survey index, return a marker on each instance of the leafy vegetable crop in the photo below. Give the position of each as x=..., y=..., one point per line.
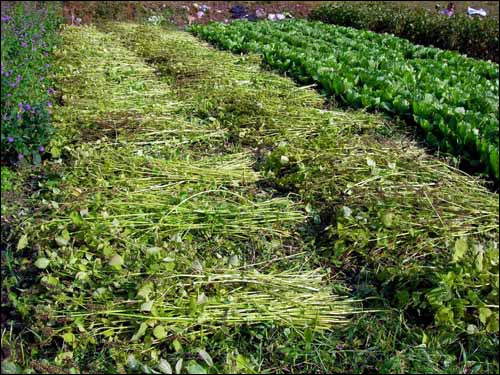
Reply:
x=475, y=37
x=453, y=98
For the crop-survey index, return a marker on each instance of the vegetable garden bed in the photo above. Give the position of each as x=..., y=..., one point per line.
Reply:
x=454, y=99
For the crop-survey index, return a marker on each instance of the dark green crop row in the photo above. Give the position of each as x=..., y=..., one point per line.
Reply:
x=453, y=98
x=474, y=37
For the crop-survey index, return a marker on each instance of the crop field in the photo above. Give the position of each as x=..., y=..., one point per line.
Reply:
x=252, y=197
x=454, y=99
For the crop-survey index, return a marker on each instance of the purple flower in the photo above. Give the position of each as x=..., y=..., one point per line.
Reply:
x=27, y=107
x=10, y=139
x=9, y=94
x=24, y=44
x=18, y=116
x=49, y=104
x=20, y=156
x=20, y=105
x=5, y=18
x=41, y=149
x=47, y=65
x=51, y=91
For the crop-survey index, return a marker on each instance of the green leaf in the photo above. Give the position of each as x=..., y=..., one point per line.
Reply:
x=37, y=159
x=492, y=326
x=165, y=367
x=484, y=314
x=159, y=332
x=177, y=345
x=68, y=337
x=42, y=263
x=195, y=368
x=444, y=316
x=76, y=218
x=140, y=332
x=206, y=357
x=460, y=249
x=9, y=367
x=241, y=362
x=23, y=242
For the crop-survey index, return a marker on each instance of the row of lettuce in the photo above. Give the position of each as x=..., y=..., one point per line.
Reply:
x=475, y=37
x=29, y=34
x=453, y=98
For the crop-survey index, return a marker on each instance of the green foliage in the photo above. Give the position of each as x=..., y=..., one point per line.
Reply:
x=454, y=99
x=29, y=33
x=387, y=214
x=8, y=179
x=473, y=37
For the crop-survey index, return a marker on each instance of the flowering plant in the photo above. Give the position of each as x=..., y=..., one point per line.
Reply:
x=29, y=33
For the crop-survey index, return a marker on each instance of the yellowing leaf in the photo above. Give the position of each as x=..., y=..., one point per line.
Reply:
x=69, y=337
x=460, y=249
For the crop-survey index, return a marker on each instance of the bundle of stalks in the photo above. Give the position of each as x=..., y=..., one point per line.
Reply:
x=193, y=304
x=256, y=106
x=128, y=169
